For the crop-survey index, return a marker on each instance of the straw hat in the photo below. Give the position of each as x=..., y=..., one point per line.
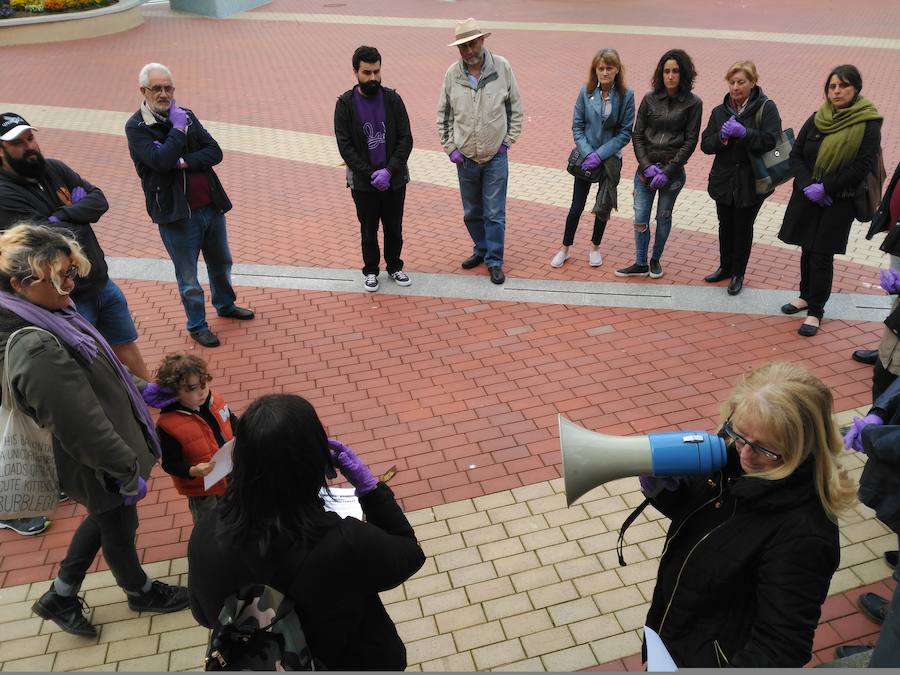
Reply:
x=466, y=31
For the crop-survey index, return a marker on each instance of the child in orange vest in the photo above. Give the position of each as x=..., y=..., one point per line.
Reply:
x=194, y=422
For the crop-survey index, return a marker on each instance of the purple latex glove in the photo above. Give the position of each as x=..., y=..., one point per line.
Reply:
x=591, y=162
x=78, y=194
x=890, y=281
x=651, y=171
x=381, y=180
x=503, y=149
x=157, y=144
x=733, y=129
x=456, y=157
x=659, y=181
x=131, y=500
x=853, y=438
x=54, y=219
x=651, y=486
x=353, y=468
x=815, y=192
x=178, y=117
x=158, y=397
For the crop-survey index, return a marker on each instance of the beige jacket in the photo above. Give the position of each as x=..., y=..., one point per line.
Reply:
x=477, y=121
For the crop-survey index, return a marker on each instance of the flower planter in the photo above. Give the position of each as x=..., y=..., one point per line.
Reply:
x=55, y=27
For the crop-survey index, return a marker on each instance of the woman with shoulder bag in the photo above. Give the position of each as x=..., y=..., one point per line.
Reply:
x=732, y=135
x=833, y=152
x=665, y=136
x=601, y=127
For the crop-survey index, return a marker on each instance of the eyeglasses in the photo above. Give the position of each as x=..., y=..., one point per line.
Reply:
x=71, y=274
x=834, y=86
x=740, y=441
x=159, y=88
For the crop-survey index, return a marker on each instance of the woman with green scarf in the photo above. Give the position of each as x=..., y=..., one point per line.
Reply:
x=833, y=153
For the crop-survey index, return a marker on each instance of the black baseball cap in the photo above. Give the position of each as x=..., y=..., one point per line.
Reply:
x=11, y=125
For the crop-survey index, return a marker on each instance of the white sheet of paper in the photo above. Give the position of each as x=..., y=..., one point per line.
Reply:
x=223, y=466
x=343, y=501
x=658, y=658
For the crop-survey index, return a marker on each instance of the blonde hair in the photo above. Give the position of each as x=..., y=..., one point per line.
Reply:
x=748, y=67
x=30, y=251
x=611, y=58
x=794, y=411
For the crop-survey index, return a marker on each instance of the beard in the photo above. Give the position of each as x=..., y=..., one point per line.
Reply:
x=30, y=165
x=370, y=88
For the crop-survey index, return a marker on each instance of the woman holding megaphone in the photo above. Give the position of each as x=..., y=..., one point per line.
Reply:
x=751, y=549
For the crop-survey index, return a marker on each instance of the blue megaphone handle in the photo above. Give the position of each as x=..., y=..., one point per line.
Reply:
x=685, y=453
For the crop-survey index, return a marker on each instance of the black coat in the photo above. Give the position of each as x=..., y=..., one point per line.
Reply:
x=666, y=130
x=881, y=221
x=353, y=147
x=879, y=485
x=731, y=180
x=745, y=569
x=825, y=229
x=336, y=581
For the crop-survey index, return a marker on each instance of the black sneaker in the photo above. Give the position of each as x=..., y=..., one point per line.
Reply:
x=206, y=337
x=27, y=527
x=65, y=611
x=160, y=598
x=655, y=269
x=633, y=271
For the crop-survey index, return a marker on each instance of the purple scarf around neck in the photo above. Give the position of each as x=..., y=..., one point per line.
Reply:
x=78, y=333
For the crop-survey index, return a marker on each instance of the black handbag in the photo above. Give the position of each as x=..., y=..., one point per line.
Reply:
x=574, y=168
x=772, y=168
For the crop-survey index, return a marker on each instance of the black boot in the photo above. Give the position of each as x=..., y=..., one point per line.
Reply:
x=65, y=611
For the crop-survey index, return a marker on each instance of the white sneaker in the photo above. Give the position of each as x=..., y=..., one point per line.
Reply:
x=595, y=259
x=371, y=283
x=401, y=278
x=559, y=259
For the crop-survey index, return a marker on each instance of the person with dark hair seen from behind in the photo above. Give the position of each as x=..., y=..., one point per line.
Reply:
x=665, y=136
x=835, y=149
x=751, y=549
x=601, y=126
x=271, y=527
x=732, y=134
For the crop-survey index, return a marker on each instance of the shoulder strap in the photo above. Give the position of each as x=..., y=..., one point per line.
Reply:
x=759, y=114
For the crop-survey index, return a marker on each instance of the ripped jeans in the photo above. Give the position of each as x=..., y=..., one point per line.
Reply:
x=643, y=201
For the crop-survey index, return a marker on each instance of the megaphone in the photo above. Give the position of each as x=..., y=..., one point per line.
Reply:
x=590, y=459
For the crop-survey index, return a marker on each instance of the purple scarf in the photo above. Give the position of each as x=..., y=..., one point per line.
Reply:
x=78, y=333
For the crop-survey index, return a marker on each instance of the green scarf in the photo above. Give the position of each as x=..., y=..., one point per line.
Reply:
x=843, y=131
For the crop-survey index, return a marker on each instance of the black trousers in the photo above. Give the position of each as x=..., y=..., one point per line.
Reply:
x=579, y=199
x=816, y=275
x=387, y=207
x=881, y=380
x=735, y=236
x=114, y=531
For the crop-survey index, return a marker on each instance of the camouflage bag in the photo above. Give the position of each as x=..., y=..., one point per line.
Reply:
x=258, y=629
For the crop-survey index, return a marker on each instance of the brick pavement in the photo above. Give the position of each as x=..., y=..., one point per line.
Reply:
x=461, y=394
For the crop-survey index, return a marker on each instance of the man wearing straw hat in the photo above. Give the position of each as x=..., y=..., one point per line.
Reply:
x=479, y=116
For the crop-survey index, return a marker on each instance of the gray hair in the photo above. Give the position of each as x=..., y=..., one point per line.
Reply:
x=144, y=75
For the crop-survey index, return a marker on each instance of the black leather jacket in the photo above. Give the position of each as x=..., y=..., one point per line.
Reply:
x=667, y=130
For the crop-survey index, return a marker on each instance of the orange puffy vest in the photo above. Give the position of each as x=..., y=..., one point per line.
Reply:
x=198, y=442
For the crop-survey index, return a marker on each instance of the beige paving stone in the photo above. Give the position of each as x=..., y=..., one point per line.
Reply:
x=454, y=663
x=469, y=522
x=540, y=576
x=526, y=666
x=601, y=507
x=179, y=566
x=646, y=588
x=472, y=574
x=497, y=654
x=505, y=514
x=501, y=549
x=578, y=567
x=185, y=659
x=843, y=580
x=599, y=543
x=13, y=630
x=62, y=641
x=546, y=641
x=453, y=509
x=516, y=563
x=159, y=569
x=417, y=629
x=160, y=623
x=613, y=521
x=437, y=603
x=186, y=637
x=610, y=559
x=439, y=545
x=856, y=554
x=471, y=615
x=432, y=530
x=571, y=659
x=862, y=531
x=404, y=610
x=84, y=657
x=107, y=595
x=155, y=663
x=485, y=535
x=553, y=502
x=572, y=514
x=559, y=552
x=618, y=598
x=420, y=517
x=23, y=647
x=121, y=630
x=533, y=491
x=488, y=590
x=478, y=636
x=97, y=580
x=427, y=569
x=616, y=647
x=633, y=500
x=871, y=571
x=436, y=583
x=595, y=628
x=39, y=664
x=531, y=524
x=543, y=538
x=508, y=605
x=430, y=648
x=644, y=532
x=494, y=500
x=134, y=647
x=553, y=594
x=633, y=618
x=119, y=611
x=878, y=545
x=621, y=486
x=395, y=594
x=105, y=668
x=635, y=572
x=459, y=558
x=415, y=668
x=16, y=611
x=572, y=611
x=559, y=486
x=652, y=548
x=15, y=594
x=527, y=623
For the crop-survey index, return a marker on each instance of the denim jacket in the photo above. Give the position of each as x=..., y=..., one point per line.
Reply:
x=594, y=134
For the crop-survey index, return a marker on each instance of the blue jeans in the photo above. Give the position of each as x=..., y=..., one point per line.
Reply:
x=108, y=312
x=184, y=240
x=643, y=201
x=483, y=191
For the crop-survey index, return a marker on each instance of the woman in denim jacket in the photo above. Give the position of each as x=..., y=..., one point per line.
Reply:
x=601, y=127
